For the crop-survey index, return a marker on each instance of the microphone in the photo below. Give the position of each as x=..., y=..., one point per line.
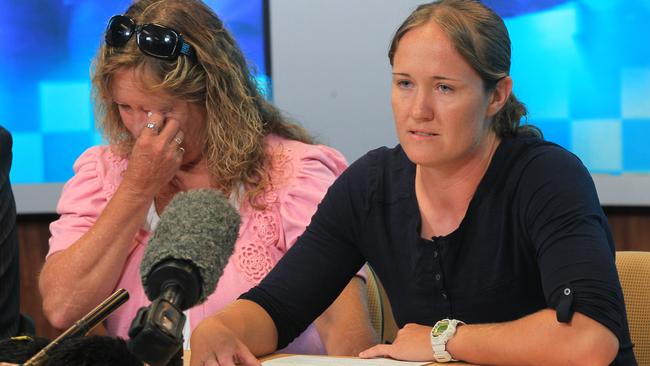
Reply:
x=83, y=326
x=181, y=266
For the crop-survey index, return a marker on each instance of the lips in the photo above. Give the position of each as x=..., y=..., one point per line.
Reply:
x=423, y=133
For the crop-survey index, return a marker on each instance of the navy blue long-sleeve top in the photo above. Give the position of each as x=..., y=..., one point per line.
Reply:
x=534, y=236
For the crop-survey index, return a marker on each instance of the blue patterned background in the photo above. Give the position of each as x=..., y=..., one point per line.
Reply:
x=45, y=75
x=582, y=67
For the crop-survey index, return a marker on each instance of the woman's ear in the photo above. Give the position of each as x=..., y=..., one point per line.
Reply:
x=499, y=95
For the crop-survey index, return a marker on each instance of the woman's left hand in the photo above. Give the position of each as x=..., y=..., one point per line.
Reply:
x=413, y=343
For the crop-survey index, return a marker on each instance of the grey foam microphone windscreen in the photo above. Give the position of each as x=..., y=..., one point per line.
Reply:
x=198, y=226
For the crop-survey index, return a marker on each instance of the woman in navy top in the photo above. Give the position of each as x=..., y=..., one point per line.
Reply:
x=490, y=242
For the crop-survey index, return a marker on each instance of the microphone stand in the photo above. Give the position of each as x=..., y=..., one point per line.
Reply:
x=83, y=326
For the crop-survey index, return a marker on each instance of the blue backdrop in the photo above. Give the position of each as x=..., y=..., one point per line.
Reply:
x=582, y=67
x=45, y=75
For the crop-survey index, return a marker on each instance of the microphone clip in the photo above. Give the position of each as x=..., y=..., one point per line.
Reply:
x=157, y=333
x=157, y=330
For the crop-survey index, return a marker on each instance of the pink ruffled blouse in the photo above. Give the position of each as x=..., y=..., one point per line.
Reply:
x=301, y=174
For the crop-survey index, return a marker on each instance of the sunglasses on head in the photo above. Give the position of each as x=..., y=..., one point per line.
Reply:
x=153, y=39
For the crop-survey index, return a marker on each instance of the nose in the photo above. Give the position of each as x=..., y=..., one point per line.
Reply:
x=422, y=109
x=138, y=119
x=142, y=116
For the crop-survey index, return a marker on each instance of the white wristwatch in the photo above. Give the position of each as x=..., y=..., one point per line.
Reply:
x=441, y=333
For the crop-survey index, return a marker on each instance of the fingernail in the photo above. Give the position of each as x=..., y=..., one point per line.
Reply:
x=149, y=113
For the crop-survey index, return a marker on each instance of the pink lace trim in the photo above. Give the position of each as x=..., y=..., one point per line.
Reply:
x=266, y=228
x=255, y=261
x=281, y=169
x=117, y=166
x=253, y=258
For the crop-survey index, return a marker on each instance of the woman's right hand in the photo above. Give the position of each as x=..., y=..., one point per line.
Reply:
x=156, y=156
x=213, y=343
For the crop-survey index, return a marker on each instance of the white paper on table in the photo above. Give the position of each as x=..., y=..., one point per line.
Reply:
x=302, y=360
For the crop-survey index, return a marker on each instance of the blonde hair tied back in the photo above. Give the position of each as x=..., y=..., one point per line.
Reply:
x=482, y=39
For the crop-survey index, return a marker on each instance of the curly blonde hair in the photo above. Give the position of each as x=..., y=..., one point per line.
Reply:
x=237, y=115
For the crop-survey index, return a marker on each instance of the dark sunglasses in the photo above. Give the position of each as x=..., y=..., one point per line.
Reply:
x=152, y=39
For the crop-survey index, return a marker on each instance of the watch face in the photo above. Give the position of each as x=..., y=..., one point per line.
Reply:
x=440, y=328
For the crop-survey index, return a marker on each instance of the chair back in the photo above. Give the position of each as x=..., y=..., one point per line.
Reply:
x=375, y=305
x=634, y=273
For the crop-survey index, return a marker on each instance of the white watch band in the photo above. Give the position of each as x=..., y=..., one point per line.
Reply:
x=441, y=333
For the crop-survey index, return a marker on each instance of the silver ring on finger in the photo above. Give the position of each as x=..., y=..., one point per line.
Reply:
x=181, y=150
x=178, y=140
x=151, y=125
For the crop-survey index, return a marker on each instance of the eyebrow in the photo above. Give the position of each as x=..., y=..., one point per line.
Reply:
x=435, y=77
x=165, y=108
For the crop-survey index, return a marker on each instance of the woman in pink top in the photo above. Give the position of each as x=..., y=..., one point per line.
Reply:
x=181, y=111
